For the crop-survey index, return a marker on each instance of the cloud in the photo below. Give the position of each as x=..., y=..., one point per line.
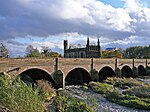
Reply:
x=80, y=18
x=42, y=18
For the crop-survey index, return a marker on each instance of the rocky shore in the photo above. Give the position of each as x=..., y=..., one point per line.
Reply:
x=97, y=101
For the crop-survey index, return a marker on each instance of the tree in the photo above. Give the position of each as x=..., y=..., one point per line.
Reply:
x=138, y=52
x=54, y=54
x=29, y=49
x=31, y=52
x=3, y=51
x=46, y=51
x=35, y=53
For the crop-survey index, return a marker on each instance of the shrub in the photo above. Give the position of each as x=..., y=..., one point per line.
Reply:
x=18, y=97
x=140, y=91
x=128, y=100
x=45, y=90
x=124, y=82
x=134, y=102
x=69, y=104
x=101, y=88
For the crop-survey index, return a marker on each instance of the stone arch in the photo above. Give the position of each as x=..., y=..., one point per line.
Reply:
x=77, y=76
x=127, y=72
x=105, y=72
x=34, y=74
x=141, y=70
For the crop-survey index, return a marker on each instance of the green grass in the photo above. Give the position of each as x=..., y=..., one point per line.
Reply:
x=126, y=99
x=18, y=97
x=124, y=82
x=70, y=104
x=101, y=88
x=140, y=91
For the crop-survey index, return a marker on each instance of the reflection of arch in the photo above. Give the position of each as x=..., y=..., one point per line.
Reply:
x=33, y=74
x=77, y=76
x=106, y=72
x=141, y=71
x=127, y=72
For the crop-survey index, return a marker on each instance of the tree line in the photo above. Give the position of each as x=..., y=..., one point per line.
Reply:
x=138, y=52
x=45, y=52
x=30, y=52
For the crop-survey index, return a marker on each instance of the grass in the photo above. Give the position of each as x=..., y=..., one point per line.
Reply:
x=45, y=90
x=140, y=91
x=129, y=98
x=101, y=88
x=70, y=104
x=18, y=97
x=124, y=82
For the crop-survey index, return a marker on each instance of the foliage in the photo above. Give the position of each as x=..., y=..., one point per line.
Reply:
x=46, y=52
x=19, y=97
x=29, y=49
x=128, y=99
x=101, y=88
x=52, y=54
x=111, y=54
x=3, y=51
x=69, y=104
x=123, y=82
x=45, y=90
x=140, y=91
x=34, y=53
x=138, y=52
x=134, y=102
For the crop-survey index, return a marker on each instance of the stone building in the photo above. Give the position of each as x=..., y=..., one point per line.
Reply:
x=90, y=51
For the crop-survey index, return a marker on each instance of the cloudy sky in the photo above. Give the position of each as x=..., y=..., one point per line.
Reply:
x=118, y=23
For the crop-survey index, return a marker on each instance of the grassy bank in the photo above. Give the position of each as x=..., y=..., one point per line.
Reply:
x=135, y=93
x=18, y=97
x=65, y=103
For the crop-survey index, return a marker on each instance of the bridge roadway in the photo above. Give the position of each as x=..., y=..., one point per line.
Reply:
x=61, y=71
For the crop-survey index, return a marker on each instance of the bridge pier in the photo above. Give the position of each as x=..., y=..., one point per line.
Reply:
x=93, y=72
x=58, y=76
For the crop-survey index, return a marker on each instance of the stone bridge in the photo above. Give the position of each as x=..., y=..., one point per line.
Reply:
x=61, y=71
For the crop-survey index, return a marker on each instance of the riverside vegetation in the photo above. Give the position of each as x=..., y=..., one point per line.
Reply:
x=126, y=92
x=18, y=97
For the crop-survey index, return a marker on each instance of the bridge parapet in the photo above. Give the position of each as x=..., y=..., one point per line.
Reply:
x=67, y=64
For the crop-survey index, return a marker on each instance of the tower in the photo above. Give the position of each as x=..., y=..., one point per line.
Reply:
x=87, y=48
x=88, y=42
x=99, y=48
x=65, y=47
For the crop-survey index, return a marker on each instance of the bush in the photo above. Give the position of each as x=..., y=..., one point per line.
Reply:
x=128, y=100
x=69, y=104
x=101, y=88
x=124, y=82
x=140, y=91
x=45, y=90
x=18, y=97
x=134, y=102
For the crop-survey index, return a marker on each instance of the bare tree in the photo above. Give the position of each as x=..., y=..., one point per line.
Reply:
x=29, y=49
x=3, y=51
x=46, y=50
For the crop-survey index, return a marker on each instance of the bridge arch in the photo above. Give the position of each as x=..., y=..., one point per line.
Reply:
x=127, y=72
x=105, y=72
x=141, y=70
x=33, y=74
x=77, y=76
